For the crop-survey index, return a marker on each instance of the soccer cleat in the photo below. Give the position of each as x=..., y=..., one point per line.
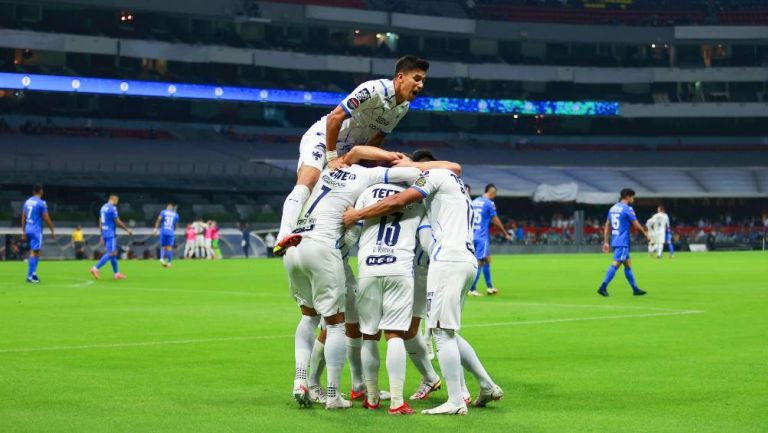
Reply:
x=162, y=262
x=384, y=395
x=466, y=396
x=317, y=394
x=425, y=389
x=474, y=293
x=402, y=410
x=301, y=395
x=281, y=247
x=369, y=406
x=337, y=403
x=119, y=276
x=488, y=395
x=95, y=273
x=357, y=395
x=33, y=279
x=446, y=409
x=638, y=292
x=603, y=292
x=492, y=291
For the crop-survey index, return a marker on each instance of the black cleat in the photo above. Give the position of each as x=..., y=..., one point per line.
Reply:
x=603, y=292
x=638, y=292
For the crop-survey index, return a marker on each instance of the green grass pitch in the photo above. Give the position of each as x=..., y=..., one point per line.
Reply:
x=208, y=347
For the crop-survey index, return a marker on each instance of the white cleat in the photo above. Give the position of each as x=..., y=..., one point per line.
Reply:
x=384, y=395
x=425, y=389
x=488, y=395
x=301, y=394
x=466, y=396
x=474, y=293
x=446, y=409
x=492, y=291
x=337, y=403
x=317, y=394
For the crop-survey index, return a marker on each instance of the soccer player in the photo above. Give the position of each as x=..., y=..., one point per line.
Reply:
x=215, y=241
x=650, y=226
x=167, y=219
x=210, y=228
x=484, y=214
x=315, y=267
x=621, y=218
x=200, y=250
x=189, y=244
x=665, y=235
x=365, y=116
x=34, y=213
x=108, y=219
x=451, y=271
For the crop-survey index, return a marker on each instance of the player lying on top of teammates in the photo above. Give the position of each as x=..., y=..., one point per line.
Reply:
x=315, y=268
x=365, y=116
x=451, y=271
x=621, y=218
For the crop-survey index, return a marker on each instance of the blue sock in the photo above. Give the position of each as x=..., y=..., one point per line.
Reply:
x=169, y=255
x=630, y=277
x=31, y=266
x=672, y=249
x=609, y=276
x=474, y=283
x=113, y=260
x=487, y=275
x=162, y=253
x=34, y=265
x=102, y=261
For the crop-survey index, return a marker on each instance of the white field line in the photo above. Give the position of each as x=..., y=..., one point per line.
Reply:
x=272, y=337
x=597, y=306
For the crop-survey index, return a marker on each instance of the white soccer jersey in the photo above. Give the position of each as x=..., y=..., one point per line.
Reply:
x=371, y=108
x=449, y=209
x=661, y=221
x=335, y=191
x=424, y=243
x=651, y=226
x=387, y=243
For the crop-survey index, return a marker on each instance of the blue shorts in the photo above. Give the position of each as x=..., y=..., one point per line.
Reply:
x=482, y=248
x=35, y=240
x=621, y=254
x=110, y=245
x=166, y=240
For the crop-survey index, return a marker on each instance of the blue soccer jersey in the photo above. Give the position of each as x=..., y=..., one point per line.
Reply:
x=621, y=217
x=168, y=221
x=107, y=217
x=34, y=209
x=484, y=211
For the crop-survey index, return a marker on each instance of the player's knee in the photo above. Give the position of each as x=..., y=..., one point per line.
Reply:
x=413, y=329
x=374, y=337
x=335, y=319
x=306, y=311
x=307, y=176
x=388, y=335
x=353, y=330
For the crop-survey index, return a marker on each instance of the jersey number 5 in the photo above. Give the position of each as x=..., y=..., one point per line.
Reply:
x=615, y=221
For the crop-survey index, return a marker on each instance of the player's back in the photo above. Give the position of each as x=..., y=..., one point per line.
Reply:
x=107, y=216
x=450, y=214
x=168, y=220
x=621, y=216
x=484, y=210
x=34, y=208
x=662, y=222
x=387, y=243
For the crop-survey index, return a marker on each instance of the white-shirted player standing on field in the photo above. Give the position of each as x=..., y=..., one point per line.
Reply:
x=315, y=268
x=451, y=271
x=659, y=236
x=365, y=116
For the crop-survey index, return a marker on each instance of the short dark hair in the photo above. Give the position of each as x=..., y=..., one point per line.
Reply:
x=627, y=192
x=37, y=188
x=660, y=207
x=423, y=155
x=410, y=63
x=489, y=186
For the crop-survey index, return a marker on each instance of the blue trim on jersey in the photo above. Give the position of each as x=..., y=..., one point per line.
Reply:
x=386, y=176
x=346, y=109
x=424, y=193
x=359, y=224
x=437, y=252
x=386, y=93
x=425, y=226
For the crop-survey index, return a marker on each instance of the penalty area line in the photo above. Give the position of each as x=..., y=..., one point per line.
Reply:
x=582, y=319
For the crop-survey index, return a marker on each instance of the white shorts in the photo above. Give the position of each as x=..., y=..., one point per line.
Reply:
x=200, y=241
x=208, y=243
x=316, y=277
x=350, y=312
x=419, y=293
x=385, y=303
x=312, y=151
x=658, y=240
x=447, y=286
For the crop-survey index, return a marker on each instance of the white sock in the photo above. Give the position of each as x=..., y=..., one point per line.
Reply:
x=305, y=334
x=291, y=209
x=450, y=363
x=464, y=388
x=471, y=362
x=417, y=351
x=396, y=370
x=334, y=357
x=316, y=363
x=355, y=363
x=371, y=362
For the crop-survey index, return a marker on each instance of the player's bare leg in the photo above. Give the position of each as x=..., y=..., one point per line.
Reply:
x=335, y=351
x=396, y=372
x=354, y=344
x=416, y=346
x=371, y=363
x=303, y=340
x=306, y=178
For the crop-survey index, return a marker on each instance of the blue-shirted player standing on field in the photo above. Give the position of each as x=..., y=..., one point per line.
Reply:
x=32, y=216
x=484, y=210
x=166, y=226
x=108, y=218
x=621, y=218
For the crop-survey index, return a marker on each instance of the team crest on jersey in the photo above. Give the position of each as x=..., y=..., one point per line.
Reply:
x=363, y=95
x=421, y=181
x=353, y=103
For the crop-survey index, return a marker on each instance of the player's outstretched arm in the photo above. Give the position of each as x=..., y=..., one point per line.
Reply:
x=333, y=122
x=429, y=165
x=157, y=224
x=49, y=223
x=120, y=223
x=497, y=222
x=607, y=236
x=370, y=153
x=642, y=230
x=384, y=207
x=377, y=140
